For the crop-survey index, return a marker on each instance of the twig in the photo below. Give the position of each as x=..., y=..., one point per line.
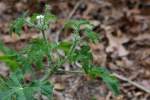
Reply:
x=132, y=82
x=69, y=17
x=103, y=2
x=72, y=72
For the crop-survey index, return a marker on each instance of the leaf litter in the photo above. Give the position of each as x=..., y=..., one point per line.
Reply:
x=124, y=47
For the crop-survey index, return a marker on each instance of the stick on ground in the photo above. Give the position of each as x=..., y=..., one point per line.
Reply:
x=131, y=82
x=69, y=17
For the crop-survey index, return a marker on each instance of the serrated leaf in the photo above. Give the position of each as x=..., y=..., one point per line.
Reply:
x=6, y=50
x=17, y=25
x=33, y=18
x=75, y=24
x=10, y=62
x=65, y=46
x=48, y=17
x=15, y=89
x=111, y=81
x=9, y=57
x=35, y=52
x=91, y=35
x=83, y=55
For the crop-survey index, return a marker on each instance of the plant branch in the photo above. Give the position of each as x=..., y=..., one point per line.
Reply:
x=74, y=72
x=46, y=40
x=54, y=68
x=44, y=36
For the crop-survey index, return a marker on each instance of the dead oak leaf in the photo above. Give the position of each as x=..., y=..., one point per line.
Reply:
x=98, y=52
x=115, y=44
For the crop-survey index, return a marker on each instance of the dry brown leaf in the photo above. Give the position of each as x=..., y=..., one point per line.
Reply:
x=4, y=71
x=144, y=58
x=59, y=86
x=146, y=83
x=142, y=37
x=3, y=7
x=90, y=7
x=99, y=55
x=115, y=44
x=15, y=38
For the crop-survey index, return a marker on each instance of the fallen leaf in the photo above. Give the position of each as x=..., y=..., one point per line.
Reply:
x=99, y=55
x=115, y=44
x=4, y=71
x=59, y=87
x=3, y=7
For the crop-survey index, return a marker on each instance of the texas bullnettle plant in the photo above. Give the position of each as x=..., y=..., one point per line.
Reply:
x=44, y=57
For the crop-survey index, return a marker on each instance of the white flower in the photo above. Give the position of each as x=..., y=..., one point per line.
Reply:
x=39, y=17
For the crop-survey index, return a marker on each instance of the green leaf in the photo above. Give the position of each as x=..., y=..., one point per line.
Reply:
x=17, y=25
x=10, y=62
x=9, y=57
x=15, y=89
x=83, y=55
x=91, y=35
x=111, y=81
x=35, y=52
x=65, y=46
x=6, y=50
x=49, y=17
x=75, y=24
x=34, y=18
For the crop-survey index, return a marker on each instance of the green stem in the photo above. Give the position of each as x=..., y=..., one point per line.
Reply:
x=44, y=36
x=52, y=70
x=73, y=46
x=46, y=40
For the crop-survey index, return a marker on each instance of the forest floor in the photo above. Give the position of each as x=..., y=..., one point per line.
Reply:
x=124, y=28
